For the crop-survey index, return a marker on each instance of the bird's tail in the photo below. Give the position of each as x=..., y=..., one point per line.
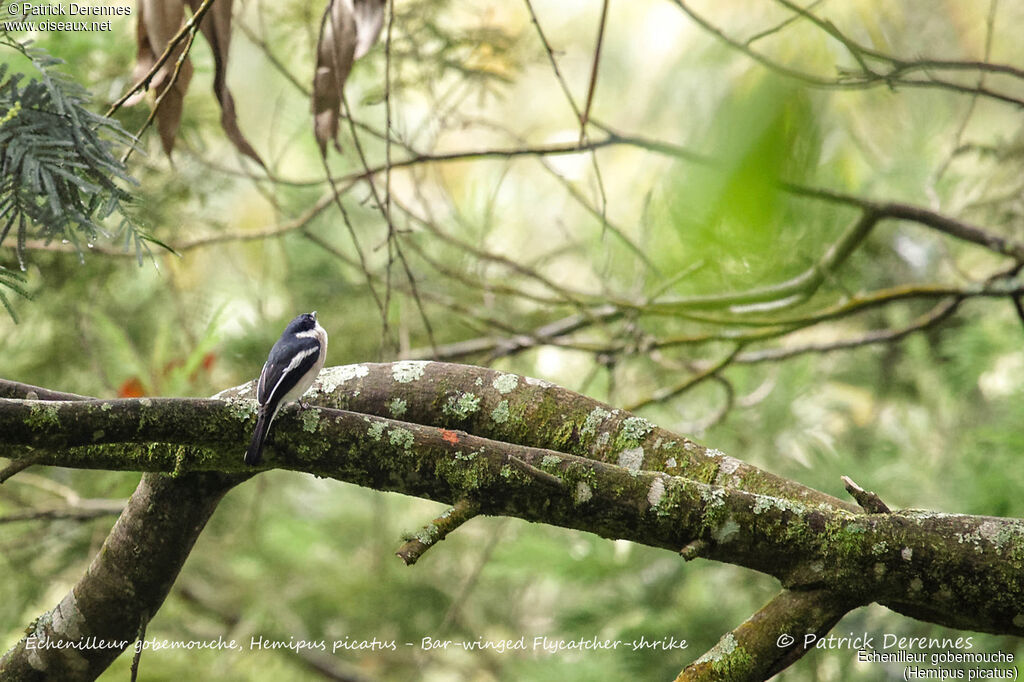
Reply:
x=255, y=452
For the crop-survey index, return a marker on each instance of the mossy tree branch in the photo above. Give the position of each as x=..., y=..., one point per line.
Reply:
x=128, y=579
x=771, y=640
x=436, y=531
x=460, y=433
x=126, y=582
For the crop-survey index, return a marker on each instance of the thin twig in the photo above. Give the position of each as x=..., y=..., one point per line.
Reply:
x=386, y=208
x=84, y=510
x=534, y=472
x=182, y=58
x=138, y=651
x=187, y=28
x=958, y=136
x=894, y=78
x=689, y=383
x=585, y=116
x=554, y=63
x=392, y=234
x=16, y=467
x=772, y=30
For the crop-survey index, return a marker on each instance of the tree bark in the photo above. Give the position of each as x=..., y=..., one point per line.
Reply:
x=124, y=585
x=502, y=444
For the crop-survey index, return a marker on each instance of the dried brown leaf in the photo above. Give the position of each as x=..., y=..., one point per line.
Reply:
x=369, y=15
x=158, y=22
x=216, y=27
x=335, y=53
x=348, y=30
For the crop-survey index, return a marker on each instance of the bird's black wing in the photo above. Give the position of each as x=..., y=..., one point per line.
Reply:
x=290, y=359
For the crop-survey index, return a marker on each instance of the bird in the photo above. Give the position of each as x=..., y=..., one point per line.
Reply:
x=292, y=366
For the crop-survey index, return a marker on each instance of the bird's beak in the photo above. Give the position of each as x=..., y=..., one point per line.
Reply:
x=314, y=315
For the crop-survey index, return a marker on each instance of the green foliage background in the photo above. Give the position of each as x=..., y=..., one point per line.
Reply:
x=933, y=421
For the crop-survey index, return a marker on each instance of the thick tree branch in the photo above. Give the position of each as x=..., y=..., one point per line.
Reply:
x=911, y=561
x=126, y=582
x=770, y=640
x=526, y=411
x=15, y=389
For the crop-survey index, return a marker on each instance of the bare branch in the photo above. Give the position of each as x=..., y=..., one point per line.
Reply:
x=554, y=63
x=436, y=531
x=671, y=392
x=595, y=62
x=16, y=467
x=84, y=510
x=870, y=501
x=866, y=78
x=770, y=640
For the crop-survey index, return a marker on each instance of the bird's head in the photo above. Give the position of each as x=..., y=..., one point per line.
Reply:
x=303, y=323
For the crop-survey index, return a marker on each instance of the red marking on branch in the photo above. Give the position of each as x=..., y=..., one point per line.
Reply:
x=449, y=436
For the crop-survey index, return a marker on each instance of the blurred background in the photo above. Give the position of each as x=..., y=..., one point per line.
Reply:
x=525, y=254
